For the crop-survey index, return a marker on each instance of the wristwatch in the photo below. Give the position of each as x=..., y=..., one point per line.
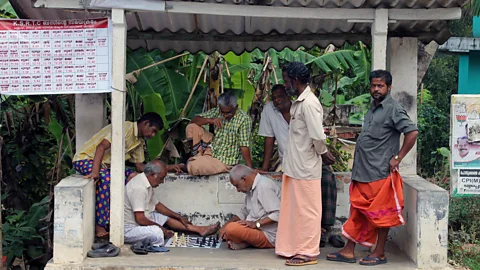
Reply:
x=397, y=158
x=258, y=225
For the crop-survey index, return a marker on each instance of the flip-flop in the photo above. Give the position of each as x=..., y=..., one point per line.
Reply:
x=304, y=260
x=155, y=249
x=139, y=248
x=373, y=261
x=109, y=250
x=336, y=241
x=340, y=258
x=100, y=245
x=323, y=241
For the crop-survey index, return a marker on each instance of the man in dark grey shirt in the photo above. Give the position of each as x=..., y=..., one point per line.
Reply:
x=376, y=196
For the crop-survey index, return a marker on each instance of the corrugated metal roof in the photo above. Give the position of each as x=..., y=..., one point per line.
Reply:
x=460, y=45
x=208, y=33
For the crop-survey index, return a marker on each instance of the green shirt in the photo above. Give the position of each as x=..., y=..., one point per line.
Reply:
x=232, y=135
x=379, y=140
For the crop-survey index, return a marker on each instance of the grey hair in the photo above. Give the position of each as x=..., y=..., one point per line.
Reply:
x=227, y=99
x=153, y=167
x=239, y=171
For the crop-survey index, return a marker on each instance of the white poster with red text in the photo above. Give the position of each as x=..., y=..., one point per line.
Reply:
x=55, y=57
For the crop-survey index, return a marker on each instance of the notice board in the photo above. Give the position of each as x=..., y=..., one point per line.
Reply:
x=55, y=57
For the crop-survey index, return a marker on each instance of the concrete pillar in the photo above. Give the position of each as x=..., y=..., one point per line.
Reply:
x=403, y=66
x=117, y=185
x=90, y=117
x=73, y=229
x=379, y=39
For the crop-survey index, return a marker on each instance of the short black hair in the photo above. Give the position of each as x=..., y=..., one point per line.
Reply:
x=299, y=71
x=153, y=118
x=381, y=74
x=277, y=87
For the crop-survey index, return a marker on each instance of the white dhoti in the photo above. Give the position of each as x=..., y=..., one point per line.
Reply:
x=134, y=233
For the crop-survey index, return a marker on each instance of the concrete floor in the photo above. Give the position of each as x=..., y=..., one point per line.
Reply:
x=223, y=258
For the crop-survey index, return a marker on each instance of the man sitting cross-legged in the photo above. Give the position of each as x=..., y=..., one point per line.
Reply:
x=145, y=216
x=256, y=225
x=216, y=154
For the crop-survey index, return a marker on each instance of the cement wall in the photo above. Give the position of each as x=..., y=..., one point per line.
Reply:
x=73, y=229
x=425, y=236
x=219, y=200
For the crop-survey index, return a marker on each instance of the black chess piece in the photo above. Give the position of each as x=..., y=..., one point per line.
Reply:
x=198, y=241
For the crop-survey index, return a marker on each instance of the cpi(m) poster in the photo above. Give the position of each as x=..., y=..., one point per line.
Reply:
x=465, y=145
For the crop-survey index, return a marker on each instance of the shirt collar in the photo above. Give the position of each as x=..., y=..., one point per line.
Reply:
x=305, y=94
x=387, y=99
x=143, y=178
x=135, y=129
x=255, y=182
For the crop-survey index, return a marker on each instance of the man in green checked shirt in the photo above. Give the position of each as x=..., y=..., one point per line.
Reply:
x=217, y=154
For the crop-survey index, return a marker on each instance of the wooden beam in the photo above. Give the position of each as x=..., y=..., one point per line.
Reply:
x=433, y=14
x=184, y=7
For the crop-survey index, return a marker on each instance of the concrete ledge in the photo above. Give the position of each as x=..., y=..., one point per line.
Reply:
x=74, y=219
x=425, y=237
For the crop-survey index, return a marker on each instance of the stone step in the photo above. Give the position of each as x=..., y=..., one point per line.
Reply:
x=223, y=258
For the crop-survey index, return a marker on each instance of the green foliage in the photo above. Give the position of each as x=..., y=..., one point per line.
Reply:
x=21, y=230
x=6, y=10
x=257, y=148
x=239, y=67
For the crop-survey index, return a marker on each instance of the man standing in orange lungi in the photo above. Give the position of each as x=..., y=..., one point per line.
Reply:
x=299, y=225
x=376, y=191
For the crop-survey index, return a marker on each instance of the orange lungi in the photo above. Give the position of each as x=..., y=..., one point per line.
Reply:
x=238, y=234
x=299, y=224
x=374, y=205
x=203, y=163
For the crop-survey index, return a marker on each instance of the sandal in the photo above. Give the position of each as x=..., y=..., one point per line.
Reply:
x=340, y=258
x=108, y=250
x=336, y=241
x=301, y=260
x=139, y=248
x=372, y=261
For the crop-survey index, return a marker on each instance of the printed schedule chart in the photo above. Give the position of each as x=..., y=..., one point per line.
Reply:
x=55, y=57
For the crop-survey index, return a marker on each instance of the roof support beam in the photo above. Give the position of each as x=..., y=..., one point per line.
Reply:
x=379, y=39
x=255, y=10
x=117, y=172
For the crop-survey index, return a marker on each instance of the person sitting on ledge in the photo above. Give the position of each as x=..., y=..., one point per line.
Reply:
x=93, y=161
x=256, y=225
x=145, y=216
x=216, y=154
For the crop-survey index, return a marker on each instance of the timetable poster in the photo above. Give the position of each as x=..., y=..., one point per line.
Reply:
x=55, y=57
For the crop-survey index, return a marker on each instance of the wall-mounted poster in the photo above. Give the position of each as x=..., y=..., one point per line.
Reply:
x=55, y=57
x=465, y=145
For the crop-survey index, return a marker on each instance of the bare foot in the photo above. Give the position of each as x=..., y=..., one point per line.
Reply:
x=208, y=230
x=235, y=246
x=100, y=231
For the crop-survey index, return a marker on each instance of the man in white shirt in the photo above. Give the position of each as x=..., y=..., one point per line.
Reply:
x=145, y=216
x=256, y=224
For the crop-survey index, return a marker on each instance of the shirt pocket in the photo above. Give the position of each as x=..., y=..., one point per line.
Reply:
x=297, y=125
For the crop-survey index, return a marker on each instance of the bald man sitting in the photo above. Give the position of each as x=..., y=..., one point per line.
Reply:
x=256, y=225
x=145, y=216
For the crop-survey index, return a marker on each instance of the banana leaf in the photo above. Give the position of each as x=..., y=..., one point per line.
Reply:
x=335, y=61
x=154, y=103
x=239, y=79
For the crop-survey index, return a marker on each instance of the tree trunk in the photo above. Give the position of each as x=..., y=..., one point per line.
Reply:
x=425, y=56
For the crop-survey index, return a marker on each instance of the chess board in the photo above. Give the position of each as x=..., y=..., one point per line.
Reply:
x=188, y=241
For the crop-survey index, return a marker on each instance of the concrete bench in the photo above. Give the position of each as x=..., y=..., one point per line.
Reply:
x=205, y=200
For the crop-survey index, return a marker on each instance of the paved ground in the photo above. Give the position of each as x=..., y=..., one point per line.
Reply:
x=189, y=258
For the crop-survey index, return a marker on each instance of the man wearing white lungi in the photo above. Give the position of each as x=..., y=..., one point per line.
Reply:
x=145, y=216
